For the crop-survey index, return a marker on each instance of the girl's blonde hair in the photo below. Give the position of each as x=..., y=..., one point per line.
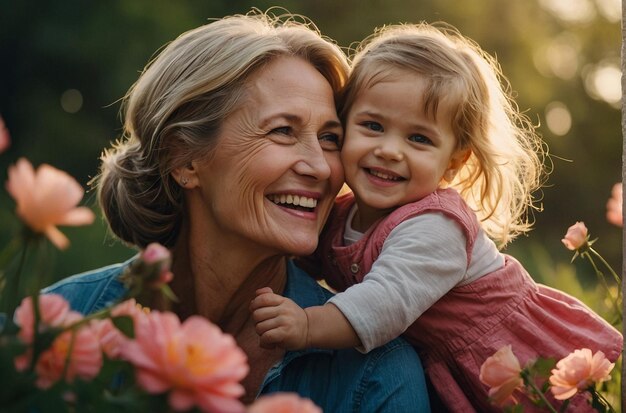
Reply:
x=174, y=111
x=505, y=166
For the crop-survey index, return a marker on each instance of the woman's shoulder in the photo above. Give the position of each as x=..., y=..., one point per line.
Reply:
x=92, y=290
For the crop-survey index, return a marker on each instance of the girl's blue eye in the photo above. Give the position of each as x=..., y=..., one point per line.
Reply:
x=374, y=126
x=420, y=139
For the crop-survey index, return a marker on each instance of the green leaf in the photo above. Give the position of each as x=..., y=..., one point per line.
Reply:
x=543, y=367
x=125, y=324
x=167, y=292
x=516, y=408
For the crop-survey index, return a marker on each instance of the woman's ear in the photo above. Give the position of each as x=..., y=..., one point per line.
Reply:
x=457, y=161
x=186, y=176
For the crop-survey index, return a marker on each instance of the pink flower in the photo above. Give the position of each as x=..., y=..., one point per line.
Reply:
x=53, y=310
x=578, y=371
x=194, y=360
x=111, y=339
x=576, y=236
x=85, y=359
x=5, y=139
x=157, y=255
x=283, y=403
x=46, y=198
x=501, y=372
x=614, y=206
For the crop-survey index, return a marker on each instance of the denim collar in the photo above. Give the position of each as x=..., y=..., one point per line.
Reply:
x=305, y=292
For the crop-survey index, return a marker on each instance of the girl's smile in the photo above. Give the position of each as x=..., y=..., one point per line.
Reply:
x=394, y=152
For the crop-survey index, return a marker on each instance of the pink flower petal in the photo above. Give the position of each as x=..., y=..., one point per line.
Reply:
x=181, y=400
x=577, y=371
x=193, y=360
x=576, y=236
x=21, y=182
x=46, y=198
x=57, y=237
x=501, y=372
x=5, y=139
x=283, y=403
x=152, y=382
x=77, y=217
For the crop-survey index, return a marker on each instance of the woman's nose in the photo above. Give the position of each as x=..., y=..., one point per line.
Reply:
x=313, y=163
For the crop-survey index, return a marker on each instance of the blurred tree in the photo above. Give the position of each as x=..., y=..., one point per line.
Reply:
x=65, y=65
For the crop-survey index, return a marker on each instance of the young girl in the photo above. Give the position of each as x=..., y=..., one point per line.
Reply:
x=443, y=168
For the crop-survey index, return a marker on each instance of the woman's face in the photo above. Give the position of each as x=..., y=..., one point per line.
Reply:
x=275, y=170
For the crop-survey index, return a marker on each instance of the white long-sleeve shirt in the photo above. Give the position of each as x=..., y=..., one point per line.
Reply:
x=421, y=260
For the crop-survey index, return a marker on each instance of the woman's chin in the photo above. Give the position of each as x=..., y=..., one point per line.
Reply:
x=301, y=248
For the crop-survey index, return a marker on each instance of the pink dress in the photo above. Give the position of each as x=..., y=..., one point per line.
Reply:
x=471, y=322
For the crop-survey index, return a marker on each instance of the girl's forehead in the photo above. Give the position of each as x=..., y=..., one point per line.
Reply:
x=438, y=95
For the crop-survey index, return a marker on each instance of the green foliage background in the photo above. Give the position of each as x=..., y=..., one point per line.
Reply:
x=99, y=47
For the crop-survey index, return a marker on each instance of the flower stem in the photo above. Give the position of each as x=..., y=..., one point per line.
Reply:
x=616, y=277
x=12, y=286
x=602, y=279
x=598, y=397
x=533, y=387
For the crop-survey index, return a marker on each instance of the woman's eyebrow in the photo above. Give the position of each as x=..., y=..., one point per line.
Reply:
x=295, y=119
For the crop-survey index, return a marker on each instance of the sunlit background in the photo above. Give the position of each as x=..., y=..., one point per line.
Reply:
x=65, y=65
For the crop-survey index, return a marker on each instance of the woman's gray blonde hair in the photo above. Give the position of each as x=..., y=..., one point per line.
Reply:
x=506, y=166
x=175, y=109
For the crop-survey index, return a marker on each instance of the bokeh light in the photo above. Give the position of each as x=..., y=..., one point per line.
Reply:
x=610, y=9
x=603, y=82
x=559, y=57
x=72, y=100
x=558, y=118
x=573, y=11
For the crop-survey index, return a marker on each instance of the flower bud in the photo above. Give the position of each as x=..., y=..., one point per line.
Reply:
x=576, y=237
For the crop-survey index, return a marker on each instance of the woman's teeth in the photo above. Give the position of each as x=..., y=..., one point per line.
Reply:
x=294, y=200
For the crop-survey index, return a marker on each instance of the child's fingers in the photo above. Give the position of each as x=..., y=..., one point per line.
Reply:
x=268, y=325
x=265, y=313
x=263, y=290
x=271, y=339
x=266, y=300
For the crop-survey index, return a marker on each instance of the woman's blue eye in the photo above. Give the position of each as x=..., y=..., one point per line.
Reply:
x=374, y=126
x=283, y=130
x=330, y=141
x=420, y=139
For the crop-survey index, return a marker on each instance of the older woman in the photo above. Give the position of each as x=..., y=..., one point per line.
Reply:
x=231, y=159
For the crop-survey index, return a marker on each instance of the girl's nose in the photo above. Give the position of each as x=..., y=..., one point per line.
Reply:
x=389, y=149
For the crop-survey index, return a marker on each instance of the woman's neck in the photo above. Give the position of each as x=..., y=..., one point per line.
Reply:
x=219, y=283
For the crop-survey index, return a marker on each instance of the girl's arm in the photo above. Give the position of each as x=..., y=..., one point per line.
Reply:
x=281, y=322
x=421, y=260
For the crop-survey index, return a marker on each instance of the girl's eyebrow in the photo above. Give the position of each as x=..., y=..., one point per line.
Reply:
x=369, y=113
x=422, y=127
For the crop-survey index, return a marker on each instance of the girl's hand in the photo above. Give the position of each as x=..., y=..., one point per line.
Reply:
x=279, y=321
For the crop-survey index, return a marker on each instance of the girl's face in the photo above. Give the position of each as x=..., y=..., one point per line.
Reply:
x=272, y=178
x=394, y=152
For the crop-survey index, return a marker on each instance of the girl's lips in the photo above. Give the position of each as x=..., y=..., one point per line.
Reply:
x=381, y=177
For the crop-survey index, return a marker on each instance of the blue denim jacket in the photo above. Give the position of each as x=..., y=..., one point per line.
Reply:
x=387, y=379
